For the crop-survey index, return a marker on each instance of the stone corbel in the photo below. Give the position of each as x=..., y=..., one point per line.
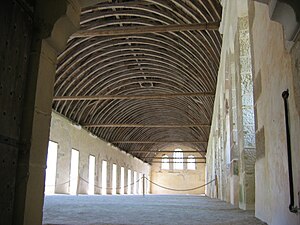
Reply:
x=286, y=12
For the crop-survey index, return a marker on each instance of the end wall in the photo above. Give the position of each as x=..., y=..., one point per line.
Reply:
x=178, y=179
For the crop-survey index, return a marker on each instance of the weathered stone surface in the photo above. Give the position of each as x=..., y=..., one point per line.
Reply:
x=248, y=115
x=247, y=83
x=247, y=99
x=249, y=140
x=250, y=157
x=273, y=66
x=257, y=86
x=260, y=143
x=296, y=73
x=243, y=23
x=245, y=66
x=241, y=109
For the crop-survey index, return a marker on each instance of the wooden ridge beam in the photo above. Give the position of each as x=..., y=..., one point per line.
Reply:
x=130, y=97
x=156, y=142
x=119, y=31
x=137, y=151
x=170, y=158
x=146, y=125
x=177, y=162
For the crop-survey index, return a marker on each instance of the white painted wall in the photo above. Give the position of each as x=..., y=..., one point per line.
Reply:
x=274, y=69
x=70, y=136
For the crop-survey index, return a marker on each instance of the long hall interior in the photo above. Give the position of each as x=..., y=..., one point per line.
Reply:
x=149, y=112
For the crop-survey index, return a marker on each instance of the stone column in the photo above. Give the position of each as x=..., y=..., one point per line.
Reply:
x=98, y=177
x=125, y=180
x=48, y=41
x=62, y=185
x=247, y=127
x=171, y=164
x=234, y=153
x=138, y=186
x=83, y=173
x=118, y=191
x=109, y=178
x=132, y=181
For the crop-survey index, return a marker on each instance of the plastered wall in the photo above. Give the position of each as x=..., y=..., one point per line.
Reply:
x=68, y=137
x=247, y=149
x=177, y=179
x=276, y=69
x=231, y=149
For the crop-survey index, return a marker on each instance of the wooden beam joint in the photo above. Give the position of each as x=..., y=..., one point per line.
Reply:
x=143, y=151
x=146, y=125
x=157, y=142
x=119, y=31
x=132, y=97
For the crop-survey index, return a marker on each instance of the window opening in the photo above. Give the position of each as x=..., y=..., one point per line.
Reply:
x=122, y=181
x=191, y=163
x=129, y=182
x=91, y=175
x=74, y=171
x=114, y=179
x=140, y=184
x=51, y=168
x=165, y=162
x=134, y=182
x=104, y=177
x=148, y=185
x=178, y=159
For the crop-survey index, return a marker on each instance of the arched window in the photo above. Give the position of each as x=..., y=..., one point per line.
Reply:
x=191, y=163
x=178, y=159
x=165, y=162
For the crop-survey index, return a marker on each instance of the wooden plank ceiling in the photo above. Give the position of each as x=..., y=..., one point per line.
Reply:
x=141, y=74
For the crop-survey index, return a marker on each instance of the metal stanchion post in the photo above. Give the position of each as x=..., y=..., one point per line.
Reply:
x=217, y=186
x=144, y=185
x=78, y=184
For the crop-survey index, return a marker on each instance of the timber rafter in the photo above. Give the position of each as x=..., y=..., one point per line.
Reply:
x=142, y=70
x=147, y=125
x=128, y=97
x=145, y=30
x=165, y=151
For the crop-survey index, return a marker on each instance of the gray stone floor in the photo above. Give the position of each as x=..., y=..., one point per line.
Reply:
x=139, y=210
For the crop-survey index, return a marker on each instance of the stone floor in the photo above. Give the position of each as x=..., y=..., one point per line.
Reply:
x=139, y=210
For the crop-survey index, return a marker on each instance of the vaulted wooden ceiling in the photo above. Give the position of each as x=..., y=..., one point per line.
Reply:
x=141, y=74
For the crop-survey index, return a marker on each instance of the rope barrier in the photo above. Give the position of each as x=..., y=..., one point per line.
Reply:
x=54, y=185
x=132, y=183
x=161, y=186
x=110, y=187
x=172, y=189
x=96, y=186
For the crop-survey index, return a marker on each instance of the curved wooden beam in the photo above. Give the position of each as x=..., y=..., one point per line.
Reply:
x=154, y=142
x=155, y=49
x=128, y=97
x=147, y=125
x=123, y=31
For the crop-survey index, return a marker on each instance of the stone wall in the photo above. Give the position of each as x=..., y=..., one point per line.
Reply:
x=178, y=179
x=231, y=148
x=276, y=69
x=68, y=137
x=247, y=149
